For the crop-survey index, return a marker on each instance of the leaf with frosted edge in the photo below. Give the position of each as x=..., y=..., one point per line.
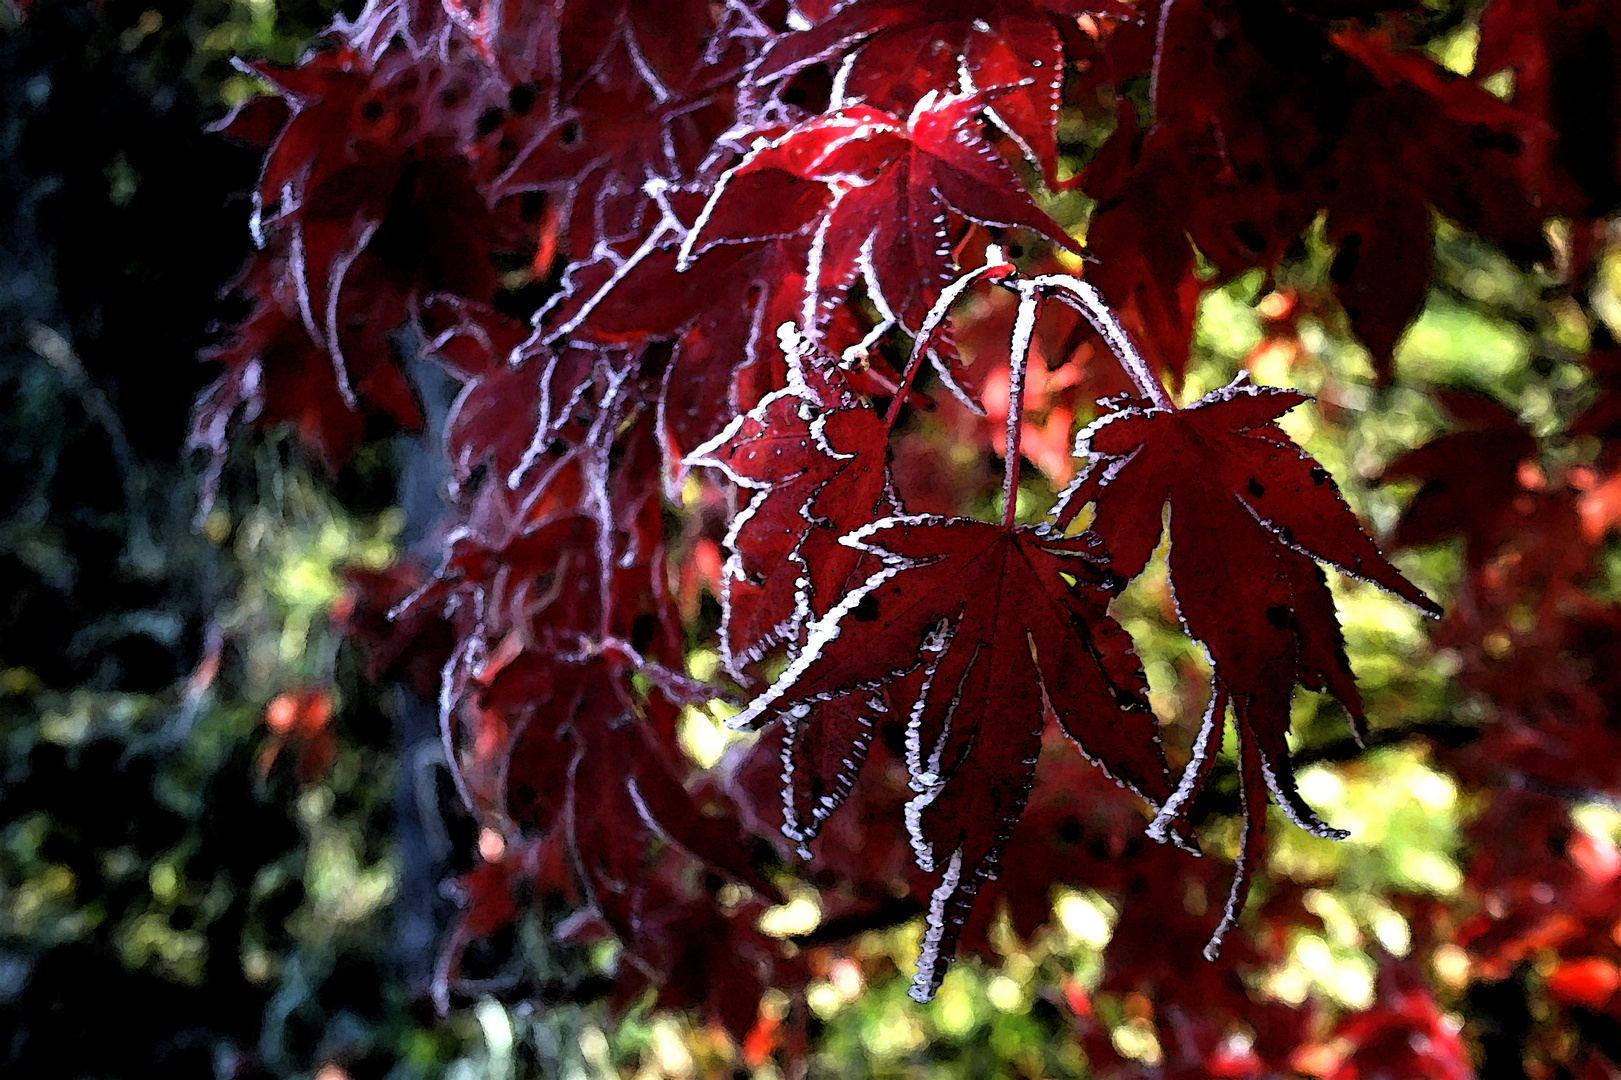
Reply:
x=622, y=795
x=875, y=190
x=895, y=50
x=993, y=625
x=823, y=751
x=816, y=458
x=556, y=562
x=1249, y=512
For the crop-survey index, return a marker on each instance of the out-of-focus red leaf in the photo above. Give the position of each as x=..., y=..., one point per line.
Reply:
x=299, y=719
x=1589, y=982
x=1563, y=56
x=1257, y=129
x=1470, y=478
x=815, y=458
x=1403, y=1034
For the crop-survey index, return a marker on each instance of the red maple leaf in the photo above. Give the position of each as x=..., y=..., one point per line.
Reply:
x=1255, y=133
x=1249, y=512
x=898, y=50
x=1564, y=56
x=593, y=152
x=1470, y=477
x=819, y=473
x=623, y=795
x=976, y=629
x=815, y=457
x=514, y=36
x=719, y=316
x=922, y=652
x=502, y=419
x=664, y=45
x=875, y=191
x=369, y=200
x=698, y=954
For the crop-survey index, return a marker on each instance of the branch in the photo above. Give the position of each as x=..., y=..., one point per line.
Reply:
x=1086, y=300
x=996, y=267
x=1024, y=326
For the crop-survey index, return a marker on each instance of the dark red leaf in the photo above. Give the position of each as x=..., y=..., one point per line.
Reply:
x=1249, y=512
x=1563, y=56
x=1403, y=1034
x=816, y=459
x=1470, y=478
x=996, y=624
x=900, y=50
x=875, y=190
x=1260, y=120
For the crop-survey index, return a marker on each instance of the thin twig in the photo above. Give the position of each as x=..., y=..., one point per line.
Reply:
x=1085, y=299
x=994, y=263
x=1024, y=328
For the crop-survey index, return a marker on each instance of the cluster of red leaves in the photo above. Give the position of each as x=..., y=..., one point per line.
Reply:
x=737, y=214
x=1540, y=654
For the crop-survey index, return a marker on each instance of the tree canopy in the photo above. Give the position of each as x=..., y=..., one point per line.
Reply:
x=882, y=485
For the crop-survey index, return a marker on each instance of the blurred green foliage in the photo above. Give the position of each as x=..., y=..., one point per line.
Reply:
x=174, y=898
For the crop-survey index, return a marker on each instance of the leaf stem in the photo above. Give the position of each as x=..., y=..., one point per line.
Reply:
x=1081, y=296
x=994, y=263
x=1024, y=327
